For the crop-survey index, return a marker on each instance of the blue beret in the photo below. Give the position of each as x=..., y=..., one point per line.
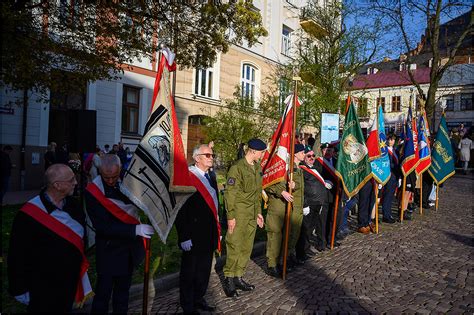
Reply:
x=299, y=147
x=257, y=144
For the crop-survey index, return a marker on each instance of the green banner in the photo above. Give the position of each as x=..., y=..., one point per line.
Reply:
x=353, y=165
x=442, y=161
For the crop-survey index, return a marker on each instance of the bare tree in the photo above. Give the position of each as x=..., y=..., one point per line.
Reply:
x=401, y=16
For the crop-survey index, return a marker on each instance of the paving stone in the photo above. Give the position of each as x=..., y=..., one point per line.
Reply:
x=419, y=267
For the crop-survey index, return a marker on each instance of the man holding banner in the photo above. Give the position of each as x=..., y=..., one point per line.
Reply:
x=243, y=201
x=278, y=196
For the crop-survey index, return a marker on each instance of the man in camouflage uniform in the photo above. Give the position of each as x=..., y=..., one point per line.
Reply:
x=243, y=199
x=277, y=203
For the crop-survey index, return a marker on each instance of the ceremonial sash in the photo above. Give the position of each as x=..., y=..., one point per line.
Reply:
x=327, y=166
x=61, y=223
x=127, y=213
x=393, y=155
x=210, y=196
x=313, y=172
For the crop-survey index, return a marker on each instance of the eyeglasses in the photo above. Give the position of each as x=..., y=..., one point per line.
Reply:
x=70, y=181
x=311, y=156
x=208, y=155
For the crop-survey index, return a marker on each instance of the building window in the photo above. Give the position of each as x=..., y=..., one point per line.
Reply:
x=449, y=102
x=396, y=103
x=466, y=101
x=286, y=40
x=362, y=110
x=248, y=83
x=381, y=102
x=203, y=82
x=130, y=107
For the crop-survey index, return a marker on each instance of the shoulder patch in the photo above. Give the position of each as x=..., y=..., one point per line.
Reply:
x=231, y=181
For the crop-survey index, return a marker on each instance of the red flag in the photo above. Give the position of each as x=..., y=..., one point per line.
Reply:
x=423, y=145
x=277, y=157
x=373, y=141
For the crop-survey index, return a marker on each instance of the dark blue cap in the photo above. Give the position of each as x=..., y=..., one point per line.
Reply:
x=299, y=147
x=324, y=146
x=257, y=144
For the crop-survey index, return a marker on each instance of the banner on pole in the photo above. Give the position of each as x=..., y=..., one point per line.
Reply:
x=442, y=162
x=277, y=157
x=353, y=166
x=381, y=165
x=157, y=179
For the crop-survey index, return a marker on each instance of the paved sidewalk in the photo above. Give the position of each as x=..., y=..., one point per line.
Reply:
x=421, y=266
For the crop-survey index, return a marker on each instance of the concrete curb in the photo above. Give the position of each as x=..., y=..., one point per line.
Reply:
x=171, y=281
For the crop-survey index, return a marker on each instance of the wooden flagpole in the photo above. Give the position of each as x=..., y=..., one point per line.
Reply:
x=437, y=196
x=334, y=217
x=376, y=186
x=146, y=276
x=421, y=192
x=290, y=178
x=402, y=207
x=336, y=206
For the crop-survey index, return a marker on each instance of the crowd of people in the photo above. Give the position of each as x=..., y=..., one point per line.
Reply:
x=50, y=227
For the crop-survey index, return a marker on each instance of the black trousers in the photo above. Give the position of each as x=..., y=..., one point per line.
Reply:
x=388, y=193
x=307, y=228
x=321, y=224
x=193, y=279
x=366, y=203
x=118, y=287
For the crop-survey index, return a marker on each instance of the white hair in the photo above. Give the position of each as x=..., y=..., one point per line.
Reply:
x=197, y=149
x=109, y=160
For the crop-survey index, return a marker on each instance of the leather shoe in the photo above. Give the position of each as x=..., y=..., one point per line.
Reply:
x=203, y=306
x=310, y=252
x=242, y=285
x=389, y=220
x=372, y=227
x=273, y=272
x=336, y=244
x=293, y=260
x=229, y=287
x=364, y=230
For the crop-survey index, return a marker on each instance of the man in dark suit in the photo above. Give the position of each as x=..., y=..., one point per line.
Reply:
x=198, y=234
x=119, y=237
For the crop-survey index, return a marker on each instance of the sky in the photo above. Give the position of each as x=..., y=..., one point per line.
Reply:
x=389, y=41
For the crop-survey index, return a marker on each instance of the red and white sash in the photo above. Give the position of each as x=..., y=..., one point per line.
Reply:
x=313, y=172
x=210, y=196
x=327, y=166
x=393, y=154
x=61, y=223
x=127, y=213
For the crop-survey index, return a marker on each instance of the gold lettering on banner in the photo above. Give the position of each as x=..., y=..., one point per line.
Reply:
x=349, y=125
x=443, y=152
x=357, y=170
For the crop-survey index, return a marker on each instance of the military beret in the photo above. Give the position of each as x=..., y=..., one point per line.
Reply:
x=308, y=149
x=299, y=147
x=257, y=144
x=324, y=146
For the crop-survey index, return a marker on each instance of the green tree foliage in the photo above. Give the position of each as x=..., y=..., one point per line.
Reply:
x=327, y=58
x=94, y=39
x=239, y=121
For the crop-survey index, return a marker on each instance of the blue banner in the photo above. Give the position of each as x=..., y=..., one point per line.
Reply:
x=381, y=166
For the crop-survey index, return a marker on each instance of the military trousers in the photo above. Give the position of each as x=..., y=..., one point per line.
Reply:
x=239, y=247
x=275, y=223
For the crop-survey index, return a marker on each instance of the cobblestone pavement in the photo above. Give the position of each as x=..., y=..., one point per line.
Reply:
x=421, y=266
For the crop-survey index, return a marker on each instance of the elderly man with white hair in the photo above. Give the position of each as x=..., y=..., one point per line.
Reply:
x=118, y=236
x=47, y=268
x=198, y=233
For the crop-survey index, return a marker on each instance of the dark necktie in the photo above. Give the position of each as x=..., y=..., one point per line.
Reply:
x=208, y=178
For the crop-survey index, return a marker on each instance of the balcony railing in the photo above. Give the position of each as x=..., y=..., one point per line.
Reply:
x=311, y=24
